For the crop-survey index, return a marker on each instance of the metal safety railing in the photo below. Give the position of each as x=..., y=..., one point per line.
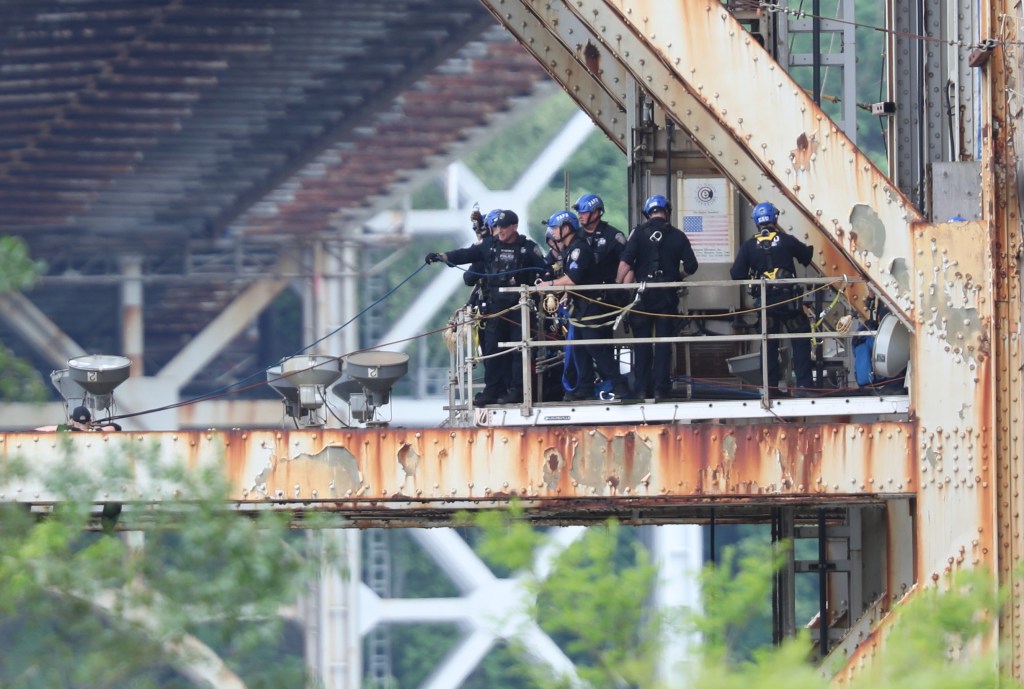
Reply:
x=823, y=297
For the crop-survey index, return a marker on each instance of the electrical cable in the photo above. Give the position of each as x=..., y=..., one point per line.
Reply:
x=773, y=8
x=240, y=386
x=881, y=119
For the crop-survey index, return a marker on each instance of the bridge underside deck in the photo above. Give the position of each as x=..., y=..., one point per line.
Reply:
x=367, y=514
x=691, y=410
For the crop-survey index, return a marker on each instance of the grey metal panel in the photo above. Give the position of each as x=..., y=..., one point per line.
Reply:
x=920, y=75
x=906, y=94
x=936, y=75
x=965, y=98
x=956, y=190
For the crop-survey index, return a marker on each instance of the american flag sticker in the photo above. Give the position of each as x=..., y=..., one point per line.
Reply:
x=707, y=218
x=693, y=223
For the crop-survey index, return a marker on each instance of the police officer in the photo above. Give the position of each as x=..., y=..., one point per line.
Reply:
x=656, y=251
x=560, y=229
x=771, y=253
x=591, y=212
x=80, y=419
x=474, y=276
x=592, y=258
x=605, y=239
x=509, y=259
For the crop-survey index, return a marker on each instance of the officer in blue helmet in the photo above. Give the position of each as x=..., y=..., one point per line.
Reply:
x=560, y=230
x=605, y=239
x=592, y=258
x=591, y=209
x=476, y=274
x=773, y=254
x=483, y=226
x=561, y=227
x=656, y=251
x=490, y=219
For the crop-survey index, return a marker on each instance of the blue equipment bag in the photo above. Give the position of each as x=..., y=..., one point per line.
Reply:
x=862, y=369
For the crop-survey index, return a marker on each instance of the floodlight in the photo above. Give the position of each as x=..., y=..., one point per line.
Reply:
x=98, y=375
x=376, y=372
x=301, y=381
x=73, y=393
x=891, y=352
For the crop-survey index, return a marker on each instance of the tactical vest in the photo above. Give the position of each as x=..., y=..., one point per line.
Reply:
x=652, y=268
x=603, y=242
x=776, y=294
x=504, y=269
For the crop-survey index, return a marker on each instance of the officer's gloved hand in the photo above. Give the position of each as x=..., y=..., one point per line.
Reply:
x=432, y=257
x=477, y=218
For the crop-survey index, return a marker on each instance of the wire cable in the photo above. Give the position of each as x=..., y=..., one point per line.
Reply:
x=773, y=8
x=241, y=386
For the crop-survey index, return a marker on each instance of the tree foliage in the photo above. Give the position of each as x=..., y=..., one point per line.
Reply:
x=17, y=272
x=592, y=583
x=196, y=594
x=594, y=604
x=17, y=269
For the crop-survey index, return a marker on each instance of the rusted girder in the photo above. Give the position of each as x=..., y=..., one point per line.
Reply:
x=560, y=51
x=1002, y=143
x=604, y=469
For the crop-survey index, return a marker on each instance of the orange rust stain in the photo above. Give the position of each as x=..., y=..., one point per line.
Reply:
x=805, y=147
x=994, y=524
x=629, y=461
x=592, y=59
x=699, y=461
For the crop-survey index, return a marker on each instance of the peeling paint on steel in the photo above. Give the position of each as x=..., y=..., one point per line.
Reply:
x=347, y=470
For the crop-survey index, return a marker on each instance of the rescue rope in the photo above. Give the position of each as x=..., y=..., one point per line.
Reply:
x=684, y=316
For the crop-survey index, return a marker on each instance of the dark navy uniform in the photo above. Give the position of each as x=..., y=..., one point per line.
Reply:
x=475, y=277
x=556, y=266
x=773, y=254
x=553, y=327
x=655, y=251
x=593, y=259
x=505, y=265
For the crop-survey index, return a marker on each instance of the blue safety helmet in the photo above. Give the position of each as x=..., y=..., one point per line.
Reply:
x=765, y=214
x=588, y=203
x=491, y=217
x=557, y=220
x=562, y=217
x=656, y=203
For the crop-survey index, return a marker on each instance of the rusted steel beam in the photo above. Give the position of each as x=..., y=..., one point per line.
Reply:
x=438, y=469
x=956, y=437
x=560, y=51
x=1002, y=142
